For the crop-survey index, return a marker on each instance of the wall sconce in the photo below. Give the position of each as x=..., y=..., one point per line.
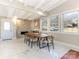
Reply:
x=36, y=24
x=14, y=19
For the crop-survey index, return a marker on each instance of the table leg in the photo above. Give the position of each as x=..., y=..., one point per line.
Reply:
x=47, y=43
x=38, y=42
x=52, y=43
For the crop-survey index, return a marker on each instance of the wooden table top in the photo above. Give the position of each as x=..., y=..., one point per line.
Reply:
x=31, y=34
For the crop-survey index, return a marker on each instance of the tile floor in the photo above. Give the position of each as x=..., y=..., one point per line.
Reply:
x=17, y=49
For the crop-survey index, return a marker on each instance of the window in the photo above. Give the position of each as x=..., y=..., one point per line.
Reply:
x=70, y=22
x=6, y=26
x=54, y=23
x=44, y=23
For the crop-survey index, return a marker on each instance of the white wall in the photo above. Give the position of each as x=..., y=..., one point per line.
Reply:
x=0, y=29
x=69, y=38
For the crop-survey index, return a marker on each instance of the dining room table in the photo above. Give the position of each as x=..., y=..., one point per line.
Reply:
x=40, y=37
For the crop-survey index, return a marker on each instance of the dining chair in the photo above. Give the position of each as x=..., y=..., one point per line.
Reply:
x=33, y=40
x=27, y=40
x=47, y=42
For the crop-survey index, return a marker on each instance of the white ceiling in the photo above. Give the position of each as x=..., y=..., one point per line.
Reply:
x=27, y=9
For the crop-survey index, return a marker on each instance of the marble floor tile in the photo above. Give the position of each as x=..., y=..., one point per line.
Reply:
x=17, y=49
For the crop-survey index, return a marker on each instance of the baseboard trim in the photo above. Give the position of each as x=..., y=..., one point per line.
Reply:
x=67, y=44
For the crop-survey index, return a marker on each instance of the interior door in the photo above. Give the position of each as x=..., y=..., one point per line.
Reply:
x=6, y=29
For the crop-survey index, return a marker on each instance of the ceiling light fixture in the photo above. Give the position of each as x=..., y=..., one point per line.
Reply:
x=21, y=0
x=40, y=13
